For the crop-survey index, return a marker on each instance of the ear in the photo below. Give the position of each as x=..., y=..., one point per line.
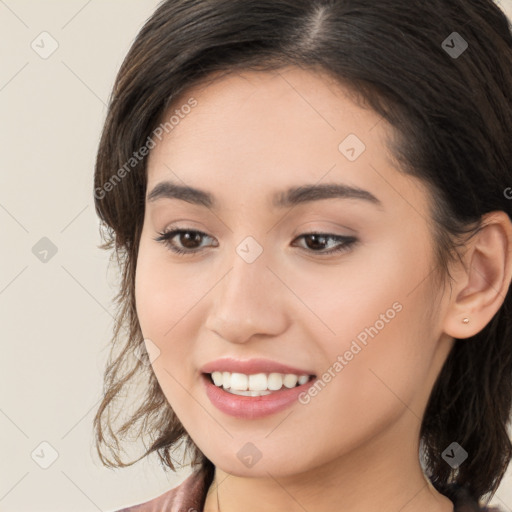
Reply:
x=479, y=289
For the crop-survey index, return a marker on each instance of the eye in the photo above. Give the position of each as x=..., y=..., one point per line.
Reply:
x=188, y=238
x=319, y=241
x=188, y=241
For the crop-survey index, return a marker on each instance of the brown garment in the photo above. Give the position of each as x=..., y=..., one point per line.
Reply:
x=190, y=496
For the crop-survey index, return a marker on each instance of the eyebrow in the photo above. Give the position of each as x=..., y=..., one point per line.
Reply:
x=285, y=199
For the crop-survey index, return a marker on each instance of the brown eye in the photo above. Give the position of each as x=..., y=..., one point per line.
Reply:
x=318, y=242
x=188, y=239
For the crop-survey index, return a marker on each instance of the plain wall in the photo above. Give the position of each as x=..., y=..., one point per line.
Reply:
x=57, y=314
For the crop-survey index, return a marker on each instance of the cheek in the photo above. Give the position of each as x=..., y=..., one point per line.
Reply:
x=165, y=292
x=169, y=307
x=376, y=373
x=378, y=329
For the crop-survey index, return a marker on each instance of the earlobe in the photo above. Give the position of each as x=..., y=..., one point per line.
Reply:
x=481, y=287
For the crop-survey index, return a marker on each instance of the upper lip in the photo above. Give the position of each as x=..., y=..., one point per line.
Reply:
x=251, y=366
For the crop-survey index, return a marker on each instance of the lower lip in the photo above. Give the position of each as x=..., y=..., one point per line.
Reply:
x=251, y=407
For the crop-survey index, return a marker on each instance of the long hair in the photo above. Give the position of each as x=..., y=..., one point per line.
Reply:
x=440, y=72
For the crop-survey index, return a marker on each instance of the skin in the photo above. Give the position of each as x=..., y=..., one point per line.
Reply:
x=356, y=443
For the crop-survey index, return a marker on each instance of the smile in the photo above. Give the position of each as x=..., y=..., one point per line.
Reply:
x=253, y=404
x=257, y=384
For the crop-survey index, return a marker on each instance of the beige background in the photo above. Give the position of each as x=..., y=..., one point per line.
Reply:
x=57, y=316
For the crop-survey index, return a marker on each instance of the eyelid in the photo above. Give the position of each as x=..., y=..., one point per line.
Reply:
x=300, y=229
x=344, y=243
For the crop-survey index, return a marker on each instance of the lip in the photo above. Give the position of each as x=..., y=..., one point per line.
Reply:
x=253, y=407
x=251, y=366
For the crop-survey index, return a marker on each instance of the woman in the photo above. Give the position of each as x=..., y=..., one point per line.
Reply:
x=310, y=205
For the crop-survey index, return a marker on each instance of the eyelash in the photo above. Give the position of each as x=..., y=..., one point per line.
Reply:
x=165, y=238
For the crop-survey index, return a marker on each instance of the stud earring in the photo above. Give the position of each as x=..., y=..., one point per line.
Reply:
x=466, y=320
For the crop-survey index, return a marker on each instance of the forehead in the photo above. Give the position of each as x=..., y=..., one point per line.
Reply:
x=283, y=108
x=254, y=131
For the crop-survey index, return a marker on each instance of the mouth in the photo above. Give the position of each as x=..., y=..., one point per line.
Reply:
x=252, y=396
x=258, y=384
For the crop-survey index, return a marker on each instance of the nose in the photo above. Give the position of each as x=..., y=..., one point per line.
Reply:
x=249, y=301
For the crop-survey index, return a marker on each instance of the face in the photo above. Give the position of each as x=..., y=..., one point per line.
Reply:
x=331, y=283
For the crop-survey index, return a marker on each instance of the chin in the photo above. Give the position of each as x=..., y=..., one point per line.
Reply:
x=260, y=459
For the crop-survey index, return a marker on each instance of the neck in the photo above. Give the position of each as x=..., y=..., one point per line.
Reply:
x=385, y=475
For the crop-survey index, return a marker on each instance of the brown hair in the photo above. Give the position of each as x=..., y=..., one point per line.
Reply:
x=452, y=120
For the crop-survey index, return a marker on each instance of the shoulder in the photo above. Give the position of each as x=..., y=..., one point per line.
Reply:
x=189, y=496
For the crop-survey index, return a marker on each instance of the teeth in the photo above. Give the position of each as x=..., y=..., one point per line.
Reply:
x=257, y=384
x=303, y=379
x=218, y=378
x=275, y=381
x=248, y=393
x=239, y=381
x=290, y=380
